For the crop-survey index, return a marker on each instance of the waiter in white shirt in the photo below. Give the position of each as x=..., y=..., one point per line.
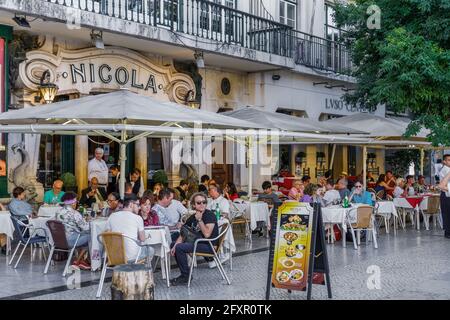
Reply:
x=97, y=168
x=444, y=176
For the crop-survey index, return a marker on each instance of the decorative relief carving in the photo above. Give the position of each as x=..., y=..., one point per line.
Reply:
x=93, y=70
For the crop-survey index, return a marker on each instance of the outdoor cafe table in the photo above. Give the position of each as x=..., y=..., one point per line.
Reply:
x=257, y=211
x=336, y=214
x=413, y=203
x=388, y=209
x=48, y=210
x=7, y=228
x=158, y=236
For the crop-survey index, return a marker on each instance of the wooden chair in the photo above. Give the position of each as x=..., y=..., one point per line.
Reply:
x=239, y=217
x=221, y=239
x=114, y=244
x=364, y=221
x=433, y=210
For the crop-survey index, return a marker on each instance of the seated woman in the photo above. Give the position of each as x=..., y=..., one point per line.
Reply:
x=18, y=207
x=296, y=192
x=399, y=190
x=203, y=222
x=149, y=216
x=230, y=191
x=75, y=223
x=359, y=195
x=381, y=185
x=310, y=193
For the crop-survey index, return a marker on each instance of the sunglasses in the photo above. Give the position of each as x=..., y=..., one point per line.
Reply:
x=358, y=186
x=201, y=202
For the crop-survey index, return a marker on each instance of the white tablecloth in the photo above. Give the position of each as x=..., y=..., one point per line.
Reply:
x=337, y=215
x=48, y=211
x=40, y=222
x=387, y=207
x=258, y=211
x=229, y=243
x=158, y=236
x=6, y=225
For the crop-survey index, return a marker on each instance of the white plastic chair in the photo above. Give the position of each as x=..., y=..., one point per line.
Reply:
x=365, y=220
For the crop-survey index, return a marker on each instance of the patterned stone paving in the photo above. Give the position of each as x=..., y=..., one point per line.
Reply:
x=413, y=265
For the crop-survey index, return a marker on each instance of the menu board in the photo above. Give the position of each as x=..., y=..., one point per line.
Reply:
x=292, y=246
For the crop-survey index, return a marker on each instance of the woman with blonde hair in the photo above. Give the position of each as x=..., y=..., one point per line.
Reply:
x=399, y=190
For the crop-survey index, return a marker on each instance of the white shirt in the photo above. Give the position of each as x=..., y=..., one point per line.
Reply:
x=224, y=205
x=331, y=196
x=171, y=215
x=398, y=192
x=98, y=169
x=442, y=174
x=129, y=224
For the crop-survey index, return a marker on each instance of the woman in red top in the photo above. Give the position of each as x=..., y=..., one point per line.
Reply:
x=230, y=191
x=149, y=216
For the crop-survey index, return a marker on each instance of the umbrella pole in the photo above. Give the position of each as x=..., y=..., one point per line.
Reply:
x=250, y=167
x=422, y=159
x=123, y=161
x=333, y=153
x=364, y=177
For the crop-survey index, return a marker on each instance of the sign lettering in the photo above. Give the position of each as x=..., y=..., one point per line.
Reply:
x=340, y=105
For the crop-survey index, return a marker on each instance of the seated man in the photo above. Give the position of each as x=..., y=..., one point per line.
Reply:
x=203, y=187
x=169, y=211
x=113, y=204
x=420, y=186
x=359, y=195
x=129, y=191
x=93, y=194
x=331, y=195
x=205, y=224
x=54, y=195
x=137, y=183
x=18, y=206
x=218, y=201
x=269, y=196
x=342, y=188
x=181, y=192
x=129, y=223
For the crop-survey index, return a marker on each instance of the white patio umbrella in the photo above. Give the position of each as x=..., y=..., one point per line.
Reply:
x=122, y=116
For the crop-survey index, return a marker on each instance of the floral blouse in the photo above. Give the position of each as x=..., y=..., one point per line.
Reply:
x=73, y=218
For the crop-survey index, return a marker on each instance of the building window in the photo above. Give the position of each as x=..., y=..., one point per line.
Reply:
x=216, y=15
x=288, y=12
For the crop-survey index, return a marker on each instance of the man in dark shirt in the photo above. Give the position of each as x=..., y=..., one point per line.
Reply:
x=93, y=194
x=203, y=187
x=269, y=196
x=203, y=222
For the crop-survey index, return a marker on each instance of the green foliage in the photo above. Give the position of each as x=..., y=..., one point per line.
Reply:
x=400, y=161
x=406, y=63
x=160, y=176
x=69, y=180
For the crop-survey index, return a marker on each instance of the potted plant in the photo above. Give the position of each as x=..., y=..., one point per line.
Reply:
x=160, y=177
x=70, y=183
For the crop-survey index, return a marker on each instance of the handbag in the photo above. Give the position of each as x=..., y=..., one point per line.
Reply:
x=189, y=235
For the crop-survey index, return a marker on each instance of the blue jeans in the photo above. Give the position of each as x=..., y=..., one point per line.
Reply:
x=82, y=242
x=181, y=252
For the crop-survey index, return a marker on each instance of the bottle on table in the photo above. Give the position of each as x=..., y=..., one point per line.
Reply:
x=345, y=203
x=217, y=211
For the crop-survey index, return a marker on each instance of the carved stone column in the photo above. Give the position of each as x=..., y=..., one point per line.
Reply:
x=81, y=162
x=141, y=158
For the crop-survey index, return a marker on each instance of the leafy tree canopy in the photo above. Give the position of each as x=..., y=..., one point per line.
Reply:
x=404, y=64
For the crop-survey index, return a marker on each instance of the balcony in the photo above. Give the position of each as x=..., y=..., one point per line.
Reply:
x=207, y=20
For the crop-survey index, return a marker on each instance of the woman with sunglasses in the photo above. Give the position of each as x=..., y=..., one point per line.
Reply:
x=203, y=222
x=359, y=195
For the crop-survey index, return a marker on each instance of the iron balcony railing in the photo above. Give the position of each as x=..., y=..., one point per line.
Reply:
x=208, y=20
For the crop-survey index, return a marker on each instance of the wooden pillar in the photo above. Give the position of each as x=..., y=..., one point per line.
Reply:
x=81, y=162
x=141, y=158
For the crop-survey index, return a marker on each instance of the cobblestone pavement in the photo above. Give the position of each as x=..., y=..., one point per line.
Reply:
x=413, y=265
